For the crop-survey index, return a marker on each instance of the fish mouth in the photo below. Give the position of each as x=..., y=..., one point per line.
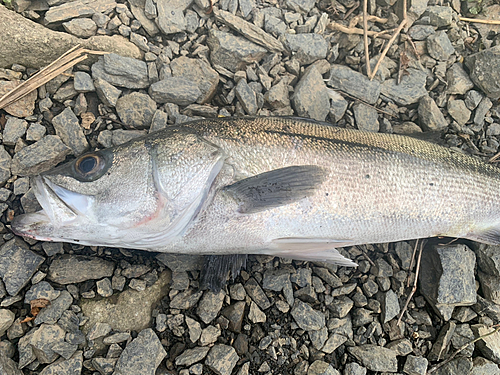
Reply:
x=60, y=207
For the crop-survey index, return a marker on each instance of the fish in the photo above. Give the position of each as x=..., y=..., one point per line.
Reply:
x=280, y=186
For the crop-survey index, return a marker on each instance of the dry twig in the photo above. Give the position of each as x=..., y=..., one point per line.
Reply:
x=478, y=20
x=365, y=38
x=414, y=289
x=439, y=365
x=354, y=30
x=63, y=63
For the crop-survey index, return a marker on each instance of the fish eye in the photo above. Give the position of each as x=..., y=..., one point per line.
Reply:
x=89, y=167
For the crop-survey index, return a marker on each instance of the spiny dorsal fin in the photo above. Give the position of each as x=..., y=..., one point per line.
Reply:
x=276, y=188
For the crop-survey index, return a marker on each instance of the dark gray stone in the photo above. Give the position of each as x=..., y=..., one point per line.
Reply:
x=481, y=111
x=472, y=99
x=185, y=300
x=41, y=290
x=77, y=9
x=421, y=32
x=390, y=305
x=409, y=90
x=354, y=83
x=459, y=111
x=488, y=258
x=5, y=161
x=171, y=18
x=375, y=358
x=232, y=52
x=175, y=90
x=81, y=27
x=415, y=365
x=14, y=129
x=142, y=356
x=120, y=136
x=247, y=98
x=440, y=16
x=354, y=369
x=366, y=117
x=65, y=349
x=145, y=11
x=256, y=293
x=255, y=315
x=136, y=110
x=40, y=156
x=191, y=356
x=333, y=342
x=99, y=330
x=341, y=306
x=222, y=359
x=481, y=366
x=331, y=279
x=439, y=46
x=307, y=48
x=310, y=98
x=106, y=92
x=461, y=337
x=181, y=262
x=35, y=132
x=235, y=313
x=274, y=25
x=43, y=339
x=319, y=367
x=116, y=338
x=121, y=71
x=303, y=6
x=489, y=346
x=441, y=345
x=69, y=130
x=457, y=366
x=8, y=366
x=319, y=337
x=430, y=116
x=458, y=80
x=483, y=70
x=210, y=305
x=62, y=269
x=306, y=317
x=69, y=322
x=199, y=72
x=105, y=366
x=17, y=265
x=277, y=96
x=83, y=82
x=6, y=319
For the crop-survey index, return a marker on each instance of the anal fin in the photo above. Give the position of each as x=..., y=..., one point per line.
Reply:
x=312, y=249
x=216, y=269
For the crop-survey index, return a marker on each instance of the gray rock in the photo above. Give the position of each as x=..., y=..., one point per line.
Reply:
x=246, y=97
x=194, y=329
x=256, y=315
x=175, y=90
x=142, y=356
x=136, y=110
x=354, y=83
x=306, y=317
x=40, y=156
x=81, y=27
x=62, y=269
x=99, y=330
x=390, y=305
x=22, y=107
x=415, y=365
x=310, y=98
x=222, y=359
x=331, y=279
x=5, y=162
x=77, y=9
x=442, y=343
x=274, y=26
x=199, y=72
x=185, y=300
x=44, y=339
x=105, y=366
x=106, y=92
x=191, y=356
x=235, y=313
x=354, y=369
x=171, y=18
x=458, y=80
x=53, y=312
x=256, y=293
x=447, y=278
x=461, y=337
x=120, y=136
x=430, y=116
x=307, y=48
x=277, y=96
x=17, y=265
x=489, y=346
x=248, y=30
x=421, y=32
x=116, y=338
x=6, y=319
x=8, y=366
x=341, y=306
x=458, y=366
x=481, y=366
x=64, y=349
x=440, y=16
x=159, y=121
x=210, y=305
x=375, y=358
x=41, y=290
x=319, y=337
x=53, y=248
x=366, y=117
x=14, y=129
x=319, y=367
x=104, y=288
x=472, y=99
x=232, y=52
x=65, y=92
x=181, y=262
x=115, y=311
x=489, y=259
x=69, y=130
x=26, y=354
x=439, y=46
x=121, y=71
x=409, y=90
x=143, y=10
x=69, y=322
x=69, y=366
x=459, y=111
x=333, y=342
x=483, y=70
x=303, y=6
x=209, y=335
x=35, y=132
x=481, y=111
x=83, y=82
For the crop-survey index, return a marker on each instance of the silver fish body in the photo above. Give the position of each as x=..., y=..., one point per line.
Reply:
x=278, y=186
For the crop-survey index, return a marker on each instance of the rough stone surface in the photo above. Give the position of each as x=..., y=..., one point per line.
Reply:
x=53, y=312
x=439, y=46
x=81, y=27
x=459, y=111
x=69, y=130
x=489, y=345
x=62, y=269
x=142, y=356
x=106, y=92
x=210, y=305
x=430, y=116
x=458, y=80
x=375, y=358
x=192, y=356
x=307, y=48
x=222, y=359
x=306, y=317
x=121, y=71
x=17, y=265
x=483, y=71
x=171, y=17
x=175, y=90
x=354, y=83
x=199, y=72
x=136, y=110
x=409, y=90
x=22, y=107
x=310, y=98
x=366, y=117
x=246, y=97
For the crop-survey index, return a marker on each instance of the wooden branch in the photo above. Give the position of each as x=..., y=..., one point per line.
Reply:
x=353, y=30
x=365, y=38
x=478, y=20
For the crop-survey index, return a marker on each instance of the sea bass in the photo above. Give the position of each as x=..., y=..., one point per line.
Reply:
x=280, y=186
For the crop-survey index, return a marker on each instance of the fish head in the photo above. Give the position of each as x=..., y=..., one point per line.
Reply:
x=137, y=195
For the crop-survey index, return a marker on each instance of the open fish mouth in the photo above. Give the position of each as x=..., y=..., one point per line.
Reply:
x=60, y=207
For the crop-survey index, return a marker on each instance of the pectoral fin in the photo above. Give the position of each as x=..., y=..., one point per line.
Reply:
x=312, y=249
x=216, y=269
x=276, y=188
